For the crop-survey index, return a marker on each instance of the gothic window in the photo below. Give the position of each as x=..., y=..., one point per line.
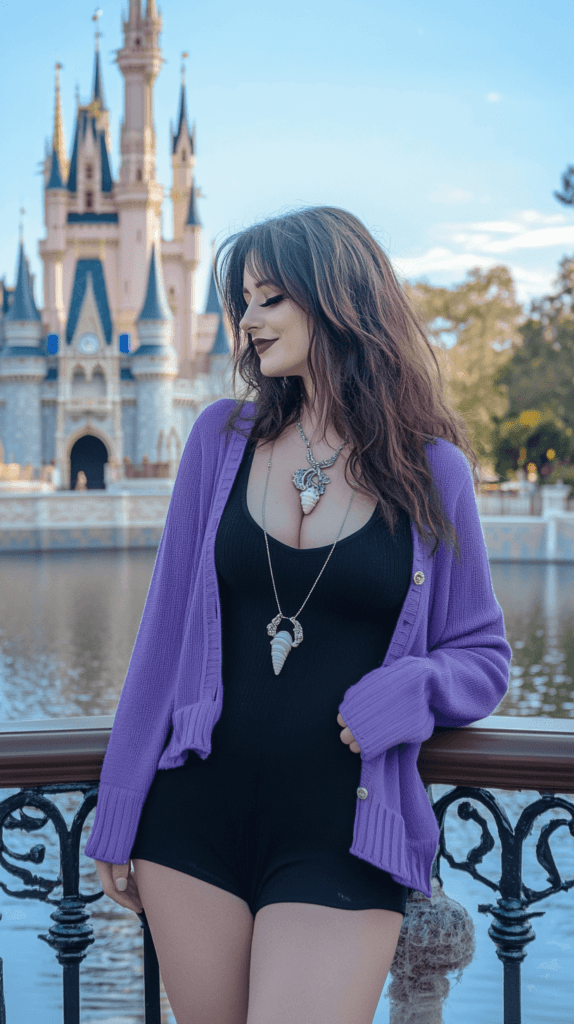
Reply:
x=138, y=41
x=184, y=155
x=139, y=174
x=89, y=200
x=89, y=171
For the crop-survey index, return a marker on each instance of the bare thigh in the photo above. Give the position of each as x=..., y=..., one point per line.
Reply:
x=202, y=936
x=319, y=965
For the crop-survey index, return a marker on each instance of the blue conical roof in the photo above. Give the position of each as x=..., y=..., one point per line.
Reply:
x=221, y=343
x=192, y=214
x=105, y=162
x=55, y=173
x=212, y=305
x=156, y=306
x=72, y=173
x=98, y=82
x=182, y=119
x=23, y=306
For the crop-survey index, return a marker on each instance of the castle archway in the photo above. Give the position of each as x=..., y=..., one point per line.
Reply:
x=89, y=454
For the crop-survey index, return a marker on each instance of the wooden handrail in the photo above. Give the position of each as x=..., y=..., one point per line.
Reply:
x=500, y=751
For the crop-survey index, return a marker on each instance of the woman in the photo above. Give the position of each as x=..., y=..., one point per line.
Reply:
x=297, y=618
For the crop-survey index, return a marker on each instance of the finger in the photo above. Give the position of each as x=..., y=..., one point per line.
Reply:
x=129, y=899
x=120, y=874
x=340, y=719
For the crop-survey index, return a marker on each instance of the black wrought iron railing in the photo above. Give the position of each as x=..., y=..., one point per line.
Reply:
x=43, y=758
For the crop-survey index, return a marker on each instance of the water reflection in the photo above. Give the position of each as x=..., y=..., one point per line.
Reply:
x=538, y=605
x=69, y=620
x=68, y=623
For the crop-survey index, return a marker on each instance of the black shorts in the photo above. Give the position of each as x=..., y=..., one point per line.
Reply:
x=240, y=830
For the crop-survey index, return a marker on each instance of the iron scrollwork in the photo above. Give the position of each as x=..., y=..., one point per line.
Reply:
x=511, y=930
x=71, y=935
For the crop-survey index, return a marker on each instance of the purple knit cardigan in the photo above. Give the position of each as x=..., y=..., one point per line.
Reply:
x=447, y=663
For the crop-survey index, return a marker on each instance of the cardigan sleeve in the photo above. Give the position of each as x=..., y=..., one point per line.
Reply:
x=143, y=713
x=465, y=673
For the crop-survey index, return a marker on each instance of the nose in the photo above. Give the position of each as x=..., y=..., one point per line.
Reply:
x=251, y=319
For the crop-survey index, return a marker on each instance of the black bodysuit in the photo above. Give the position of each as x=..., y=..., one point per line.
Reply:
x=269, y=814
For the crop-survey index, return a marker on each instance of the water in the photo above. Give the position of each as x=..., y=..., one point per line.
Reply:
x=68, y=623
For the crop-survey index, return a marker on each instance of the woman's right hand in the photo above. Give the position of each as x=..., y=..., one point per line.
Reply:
x=128, y=896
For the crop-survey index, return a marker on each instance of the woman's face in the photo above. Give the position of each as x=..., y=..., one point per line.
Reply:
x=268, y=316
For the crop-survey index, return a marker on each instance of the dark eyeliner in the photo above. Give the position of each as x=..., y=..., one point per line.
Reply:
x=271, y=302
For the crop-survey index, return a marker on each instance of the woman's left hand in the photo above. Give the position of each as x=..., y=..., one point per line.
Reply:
x=347, y=736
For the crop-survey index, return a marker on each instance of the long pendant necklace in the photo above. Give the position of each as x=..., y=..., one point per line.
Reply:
x=282, y=642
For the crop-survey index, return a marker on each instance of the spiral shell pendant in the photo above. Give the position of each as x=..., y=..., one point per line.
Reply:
x=282, y=643
x=280, y=647
x=309, y=499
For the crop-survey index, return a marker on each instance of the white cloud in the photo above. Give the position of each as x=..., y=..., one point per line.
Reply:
x=479, y=244
x=530, y=230
x=439, y=261
x=507, y=226
x=494, y=97
x=534, y=239
x=533, y=216
x=450, y=195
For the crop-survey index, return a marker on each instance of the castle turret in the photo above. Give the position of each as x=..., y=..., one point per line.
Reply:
x=182, y=163
x=138, y=195
x=53, y=247
x=155, y=366
x=22, y=370
x=98, y=101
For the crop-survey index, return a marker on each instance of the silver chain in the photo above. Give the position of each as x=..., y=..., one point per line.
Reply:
x=265, y=534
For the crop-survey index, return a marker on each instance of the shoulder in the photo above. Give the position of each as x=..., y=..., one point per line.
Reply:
x=214, y=414
x=211, y=419
x=449, y=465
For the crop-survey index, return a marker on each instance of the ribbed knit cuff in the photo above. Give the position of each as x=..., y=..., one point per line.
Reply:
x=114, y=830
x=388, y=706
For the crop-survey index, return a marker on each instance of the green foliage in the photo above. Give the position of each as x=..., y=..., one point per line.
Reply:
x=527, y=438
x=481, y=316
x=541, y=370
x=509, y=373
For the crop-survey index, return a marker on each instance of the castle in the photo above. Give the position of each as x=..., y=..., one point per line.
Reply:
x=118, y=363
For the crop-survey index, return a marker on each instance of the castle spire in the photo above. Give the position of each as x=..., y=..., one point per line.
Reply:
x=58, y=143
x=192, y=213
x=182, y=118
x=98, y=90
x=22, y=306
x=213, y=304
x=135, y=13
x=155, y=305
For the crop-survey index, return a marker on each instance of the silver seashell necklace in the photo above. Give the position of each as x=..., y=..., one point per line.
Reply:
x=282, y=642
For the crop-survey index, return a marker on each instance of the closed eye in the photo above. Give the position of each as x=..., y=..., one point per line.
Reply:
x=272, y=302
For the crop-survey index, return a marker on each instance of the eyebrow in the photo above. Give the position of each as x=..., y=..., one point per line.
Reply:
x=259, y=284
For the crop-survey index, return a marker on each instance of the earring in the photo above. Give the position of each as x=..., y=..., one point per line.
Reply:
x=284, y=383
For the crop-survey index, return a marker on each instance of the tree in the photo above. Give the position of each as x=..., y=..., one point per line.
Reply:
x=540, y=373
x=567, y=195
x=534, y=436
x=480, y=318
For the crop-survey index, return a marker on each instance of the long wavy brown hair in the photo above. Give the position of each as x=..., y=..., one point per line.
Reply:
x=375, y=375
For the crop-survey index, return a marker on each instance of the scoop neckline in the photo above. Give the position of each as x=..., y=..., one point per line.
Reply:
x=275, y=540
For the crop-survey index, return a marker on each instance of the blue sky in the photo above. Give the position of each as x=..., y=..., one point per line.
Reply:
x=445, y=127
